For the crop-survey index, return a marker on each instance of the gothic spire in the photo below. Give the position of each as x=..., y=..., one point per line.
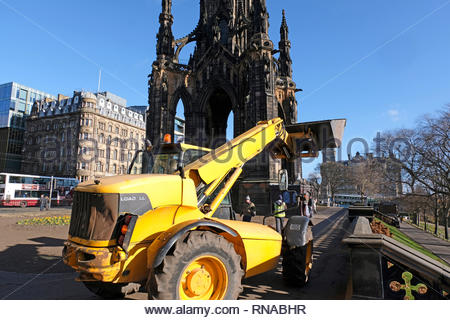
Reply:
x=285, y=49
x=240, y=8
x=260, y=17
x=165, y=44
x=284, y=30
x=167, y=7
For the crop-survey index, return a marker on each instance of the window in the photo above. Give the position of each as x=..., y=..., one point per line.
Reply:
x=75, y=100
x=117, y=130
x=102, y=138
x=114, y=168
x=115, y=155
x=21, y=106
x=63, y=136
x=22, y=94
x=110, y=128
x=99, y=167
x=101, y=153
x=108, y=141
x=84, y=166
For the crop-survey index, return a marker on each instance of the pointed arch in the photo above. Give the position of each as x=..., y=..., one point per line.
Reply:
x=186, y=98
x=218, y=101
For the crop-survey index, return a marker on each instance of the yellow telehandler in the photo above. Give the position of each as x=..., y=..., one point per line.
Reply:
x=156, y=230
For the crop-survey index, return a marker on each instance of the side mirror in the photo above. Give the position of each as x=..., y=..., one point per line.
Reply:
x=283, y=180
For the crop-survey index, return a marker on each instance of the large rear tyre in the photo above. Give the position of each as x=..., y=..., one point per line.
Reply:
x=202, y=266
x=107, y=290
x=297, y=264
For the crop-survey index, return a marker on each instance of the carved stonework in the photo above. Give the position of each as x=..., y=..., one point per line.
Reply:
x=234, y=68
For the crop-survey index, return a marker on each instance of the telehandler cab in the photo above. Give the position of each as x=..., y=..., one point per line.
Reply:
x=157, y=231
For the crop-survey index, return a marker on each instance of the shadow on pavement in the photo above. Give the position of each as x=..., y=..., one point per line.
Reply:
x=26, y=258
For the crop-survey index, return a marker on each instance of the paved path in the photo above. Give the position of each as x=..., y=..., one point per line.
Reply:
x=31, y=266
x=330, y=272
x=438, y=246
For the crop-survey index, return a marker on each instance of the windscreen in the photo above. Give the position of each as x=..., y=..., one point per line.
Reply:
x=160, y=163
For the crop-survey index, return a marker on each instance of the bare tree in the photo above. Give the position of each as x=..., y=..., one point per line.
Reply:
x=434, y=151
x=423, y=158
x=334, y=176
x=314, y=180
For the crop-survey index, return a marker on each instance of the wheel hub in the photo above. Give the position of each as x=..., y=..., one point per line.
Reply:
x=198, y=281
x=204, y=278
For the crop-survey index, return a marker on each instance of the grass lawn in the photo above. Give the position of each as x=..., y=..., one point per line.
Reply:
x=401, y=237
x=430, y=229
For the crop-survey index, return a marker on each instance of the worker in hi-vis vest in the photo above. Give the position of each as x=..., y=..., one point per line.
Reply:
x=279, y=209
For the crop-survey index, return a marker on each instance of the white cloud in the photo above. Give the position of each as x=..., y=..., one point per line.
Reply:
x=394, y=114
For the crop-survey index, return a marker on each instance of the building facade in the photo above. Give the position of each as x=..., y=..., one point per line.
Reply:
x=235, y=68
x=179, y=131
x=16, y=101
x=86, y=136
x=374, y=177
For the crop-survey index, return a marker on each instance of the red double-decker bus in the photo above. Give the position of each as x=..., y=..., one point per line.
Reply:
x=19, y=190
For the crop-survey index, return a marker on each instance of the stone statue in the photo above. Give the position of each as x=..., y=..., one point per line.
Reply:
x=292, y=107
x=216, y=31
x=267, y=71
x=164, y=88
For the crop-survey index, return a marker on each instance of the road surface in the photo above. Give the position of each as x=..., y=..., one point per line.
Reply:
x=31, y=267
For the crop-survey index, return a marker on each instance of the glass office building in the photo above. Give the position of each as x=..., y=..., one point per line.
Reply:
x=179, y=129
x=16, y=101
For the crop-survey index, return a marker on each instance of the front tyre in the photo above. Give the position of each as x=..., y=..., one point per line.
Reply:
x=202, y=266
x=297, y=264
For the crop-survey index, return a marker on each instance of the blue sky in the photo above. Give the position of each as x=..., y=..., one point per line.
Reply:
x=380, y=64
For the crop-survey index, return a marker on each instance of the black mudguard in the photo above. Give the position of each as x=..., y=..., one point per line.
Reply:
x=296, y=232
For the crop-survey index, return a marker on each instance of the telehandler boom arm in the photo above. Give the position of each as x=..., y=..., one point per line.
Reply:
x=225, y=162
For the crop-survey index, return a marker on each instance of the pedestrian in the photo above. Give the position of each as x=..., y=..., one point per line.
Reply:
x=310, y=205
x=248, y=209
x=300, y=199
x=306, y=207
x=42, y=203
x=279, y=208
x=47, y=202
x=314, y=206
